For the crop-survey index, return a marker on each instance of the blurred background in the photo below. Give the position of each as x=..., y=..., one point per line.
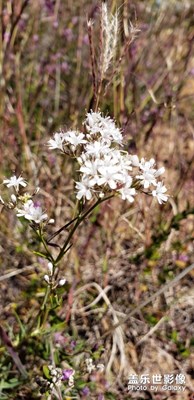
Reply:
x=45, y=86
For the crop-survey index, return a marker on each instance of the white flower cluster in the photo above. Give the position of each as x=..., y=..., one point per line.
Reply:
x=30, y=210
x=90, y=366
x=104, y=166
x=56, y=376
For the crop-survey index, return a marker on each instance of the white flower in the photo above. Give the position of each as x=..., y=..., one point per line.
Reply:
x=109, y=174
x=32, y=212
x=57, y=142
x=83, y=188
x=127, y=192
x=159, y=193
x=89, y=365
x=93, y=121
x=90, y=168
x=124, y=161
x=134, y=160
x=160, y=171
x=105, y=126
x=100, y=367
x=97, y=148
x=15, y=182
x=149, y=173
x=75, y=138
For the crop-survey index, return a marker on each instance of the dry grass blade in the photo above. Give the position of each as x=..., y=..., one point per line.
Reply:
x=153, y=297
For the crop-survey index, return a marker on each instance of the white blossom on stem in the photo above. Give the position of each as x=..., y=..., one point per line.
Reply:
x=159, y=191
x=127, y=192
x=32, y=211
x=84, y=189
x=110, y=175
x=148, y=173
x=105, y=126
x=15, y=182
x=97, y=148
x=57, y=141
x=74, y=138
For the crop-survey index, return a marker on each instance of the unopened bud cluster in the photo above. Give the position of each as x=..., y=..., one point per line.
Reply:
x=90, y=366
x=51, y=277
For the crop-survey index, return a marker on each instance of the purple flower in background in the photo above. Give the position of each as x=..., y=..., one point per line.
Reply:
x=74, y=20
x=49, y=5
x=55, y=24
x=68, y=33
x=73, y=344
x=191, y=71
x=35, y=38
x=86, y=391
x=95, y=347
x=86, y=39
x=22, y=24
x=6, y=37
x=183, y=257
x=59, y=338
x=66, y=374
x=65, y=66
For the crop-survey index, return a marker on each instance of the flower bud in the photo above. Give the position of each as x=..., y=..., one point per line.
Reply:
x=1, y=200
x=13, y=198
x=51, y=221
x=46, y=278
x=50, y=268
x=62, y=282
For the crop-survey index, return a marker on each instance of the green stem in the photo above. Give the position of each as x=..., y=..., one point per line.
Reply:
x=44, y=311
x=45, y=298
x=41, y=238
x=78, y=222
x=61, y=229
x=44, y=308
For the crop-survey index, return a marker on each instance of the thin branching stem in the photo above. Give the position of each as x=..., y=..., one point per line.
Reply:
x=78, y=222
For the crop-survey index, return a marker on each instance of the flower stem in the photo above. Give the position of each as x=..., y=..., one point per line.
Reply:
x=80, y=218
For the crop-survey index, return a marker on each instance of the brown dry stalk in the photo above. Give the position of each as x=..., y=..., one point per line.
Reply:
x=92, y=56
